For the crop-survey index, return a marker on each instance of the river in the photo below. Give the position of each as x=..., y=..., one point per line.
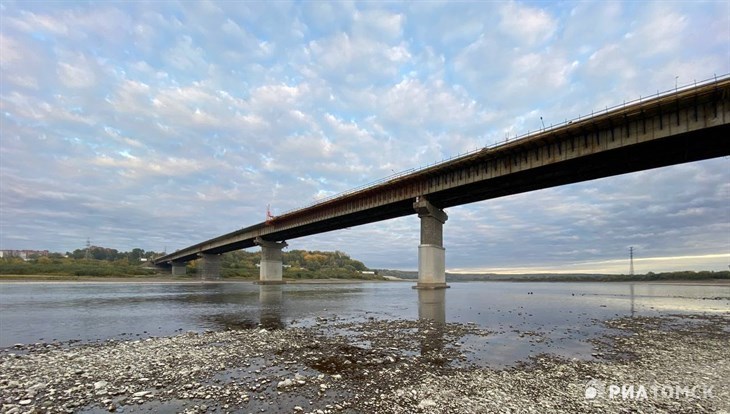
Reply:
x=524, y=318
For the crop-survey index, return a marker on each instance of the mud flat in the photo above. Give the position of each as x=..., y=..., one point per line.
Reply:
x=682, y=364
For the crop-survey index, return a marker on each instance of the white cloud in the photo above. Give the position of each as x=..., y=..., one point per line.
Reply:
x=131, y=97
x=77, y=74
x=414, y=103
x=379, y=24
x=527, y=25
x=355, y=59
x=540, y=72
x=9, y=50
x=30, y=22
x=186, y=55
x=663, y=32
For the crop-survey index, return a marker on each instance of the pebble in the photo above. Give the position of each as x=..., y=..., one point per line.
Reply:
x=285, y=383
x=426, y=404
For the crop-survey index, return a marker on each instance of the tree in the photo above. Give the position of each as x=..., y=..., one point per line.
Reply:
x=135, y=255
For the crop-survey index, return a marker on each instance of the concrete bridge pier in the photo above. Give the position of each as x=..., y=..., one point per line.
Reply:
x=179, y=268
x=431, y=252
x=270, y=271
x=209, y=267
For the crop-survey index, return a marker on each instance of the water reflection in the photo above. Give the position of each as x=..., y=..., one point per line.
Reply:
x=432, y=315
x=633, y=311
x=432, y=305
x=558, y=318
x=270, y=305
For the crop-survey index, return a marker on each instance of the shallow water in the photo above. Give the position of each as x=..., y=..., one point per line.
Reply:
x=524, y=318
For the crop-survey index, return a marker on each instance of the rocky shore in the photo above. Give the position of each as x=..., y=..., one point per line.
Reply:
x=677, y=364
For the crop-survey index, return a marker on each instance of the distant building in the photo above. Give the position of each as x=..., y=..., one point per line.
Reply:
x=23, y=254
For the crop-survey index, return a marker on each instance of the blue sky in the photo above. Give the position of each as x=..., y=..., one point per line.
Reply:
x=161, y=124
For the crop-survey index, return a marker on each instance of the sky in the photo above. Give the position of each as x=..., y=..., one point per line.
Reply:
x=161, y=124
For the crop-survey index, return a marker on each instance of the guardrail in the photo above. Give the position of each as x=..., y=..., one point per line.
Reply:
x=507, y=141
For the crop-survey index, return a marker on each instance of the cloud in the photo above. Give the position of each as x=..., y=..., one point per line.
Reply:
x=664, y=31
x=153, y=124
x=186, y=56
x=78, y=74
x=526, y=24
x=354, y=60
x=132, y=167
x=379, y=24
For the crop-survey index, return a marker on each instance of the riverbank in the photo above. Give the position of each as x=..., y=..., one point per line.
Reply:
x=384, y=366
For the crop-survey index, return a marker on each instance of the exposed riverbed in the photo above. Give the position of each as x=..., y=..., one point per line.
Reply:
x=394, y=366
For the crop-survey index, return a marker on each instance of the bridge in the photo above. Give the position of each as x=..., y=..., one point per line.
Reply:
x=683, y=125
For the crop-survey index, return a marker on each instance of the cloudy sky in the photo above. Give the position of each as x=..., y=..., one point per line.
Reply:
x=161, y=124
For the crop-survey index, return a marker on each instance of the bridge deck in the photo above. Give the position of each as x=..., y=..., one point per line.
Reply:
x=684, y=126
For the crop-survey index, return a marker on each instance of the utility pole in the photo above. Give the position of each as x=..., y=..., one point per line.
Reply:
x=631, y=260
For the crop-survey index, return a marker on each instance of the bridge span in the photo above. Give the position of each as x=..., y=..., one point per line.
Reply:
x=684, y=125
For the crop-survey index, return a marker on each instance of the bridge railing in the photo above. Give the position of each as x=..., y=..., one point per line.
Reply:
x=510, y=141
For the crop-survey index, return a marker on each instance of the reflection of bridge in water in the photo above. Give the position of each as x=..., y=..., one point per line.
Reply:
x=270, y=306
x=431, y=306
x=430, y=334
x=431, y=314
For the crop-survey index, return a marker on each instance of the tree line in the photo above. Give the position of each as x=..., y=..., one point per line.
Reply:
x=136, y=255
x=298, y=264
x=103, y=261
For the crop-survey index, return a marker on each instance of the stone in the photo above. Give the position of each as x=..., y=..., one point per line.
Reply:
x=285, y=384
x=427, y=403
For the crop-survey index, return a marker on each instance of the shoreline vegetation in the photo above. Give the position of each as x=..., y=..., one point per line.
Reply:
x=103, y=264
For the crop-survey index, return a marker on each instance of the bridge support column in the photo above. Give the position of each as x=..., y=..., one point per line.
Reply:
x=270, y=271
x=209, y=267
x=179, y=268
x=431, y=252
